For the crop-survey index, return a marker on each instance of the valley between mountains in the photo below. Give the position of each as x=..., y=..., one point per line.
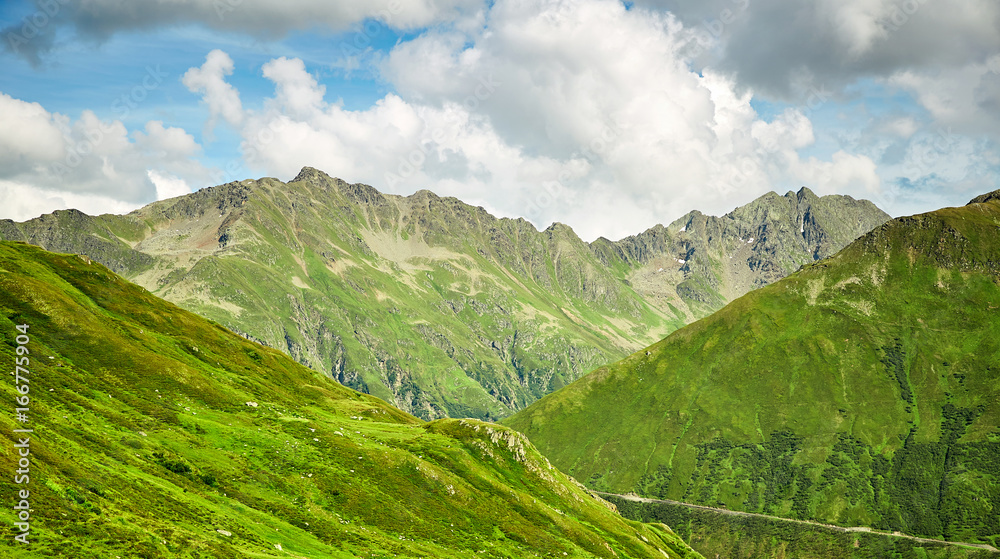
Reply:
x=156, y=433
x=215, y=372
x=434, y=305
x=861, y=390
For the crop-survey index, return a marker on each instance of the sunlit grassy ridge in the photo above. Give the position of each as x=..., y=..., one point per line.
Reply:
x=861, y=390
x=160, y=434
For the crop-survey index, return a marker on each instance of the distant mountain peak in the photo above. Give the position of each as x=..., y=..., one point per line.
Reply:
x=804, y=192
x=983, y=198
x=310, y=173
x=358, y=283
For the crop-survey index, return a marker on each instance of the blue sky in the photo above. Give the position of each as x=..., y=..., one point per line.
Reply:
x=608, y=117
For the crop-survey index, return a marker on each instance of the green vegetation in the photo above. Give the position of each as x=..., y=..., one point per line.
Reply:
x=160, y=434
x=860, y=391
x=738, y=537
x=434, y=305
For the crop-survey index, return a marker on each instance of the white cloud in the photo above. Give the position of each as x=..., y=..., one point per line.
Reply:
x=902, y=127
x=578, y=111
x=964, y=99
x=23, y=201
x=170, y=143
x=591, y=80
x=168, y=186
x=51, y=161
x=844, y=173
x=29, y=136
x=209, y=80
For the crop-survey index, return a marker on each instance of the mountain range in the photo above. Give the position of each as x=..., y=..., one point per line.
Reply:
x=432, y=304
x=152, y=432
x=861, y=390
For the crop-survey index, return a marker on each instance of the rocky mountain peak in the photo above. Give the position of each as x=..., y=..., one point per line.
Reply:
x=359, y=284
x=804, y=194
x=988, y=197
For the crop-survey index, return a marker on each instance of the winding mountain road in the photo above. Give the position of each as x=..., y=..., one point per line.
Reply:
x=809, y=522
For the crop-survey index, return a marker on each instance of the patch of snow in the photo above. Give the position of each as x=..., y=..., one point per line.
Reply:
x=751, y=240
x=683, y=229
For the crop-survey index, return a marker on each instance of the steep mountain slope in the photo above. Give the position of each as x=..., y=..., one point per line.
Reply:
x=861, y=390
x=699, y=263
x=159, y=434
x=432, y=304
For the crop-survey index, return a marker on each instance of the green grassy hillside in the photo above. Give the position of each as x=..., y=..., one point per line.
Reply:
x=160, y=434
x=862, y=390
x=432, y=304
x=726, y=536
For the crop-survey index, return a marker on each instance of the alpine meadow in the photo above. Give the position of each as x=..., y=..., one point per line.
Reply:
x=432, y=304
x=500, y=279
x=169, y=436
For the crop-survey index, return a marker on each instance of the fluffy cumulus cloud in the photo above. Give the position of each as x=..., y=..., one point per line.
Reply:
x=49, y=160
x=580, y=111
x=607, y=116
x=210, y=80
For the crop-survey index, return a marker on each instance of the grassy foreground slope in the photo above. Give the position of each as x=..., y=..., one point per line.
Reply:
x=862, y=390
x=160, y=434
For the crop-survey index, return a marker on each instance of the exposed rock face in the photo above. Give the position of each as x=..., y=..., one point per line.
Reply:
x=698, y=263
x=433, y=304
x=988, y=197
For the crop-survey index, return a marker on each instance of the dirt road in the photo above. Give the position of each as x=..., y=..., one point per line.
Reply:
x=809, y=522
